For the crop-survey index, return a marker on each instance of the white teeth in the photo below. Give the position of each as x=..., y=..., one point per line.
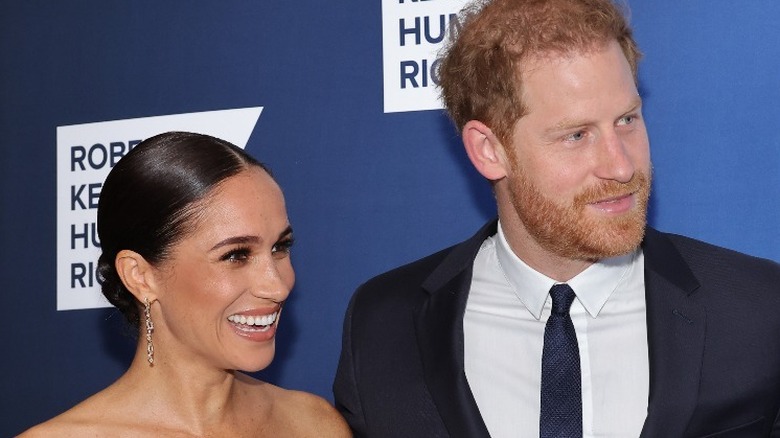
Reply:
x=253, y=320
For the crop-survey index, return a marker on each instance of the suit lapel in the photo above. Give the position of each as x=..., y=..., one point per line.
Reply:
x=439, y=328
x=676, y=326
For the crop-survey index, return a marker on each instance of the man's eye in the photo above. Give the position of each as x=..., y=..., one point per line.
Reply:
x=577, y=136
x=627, y=120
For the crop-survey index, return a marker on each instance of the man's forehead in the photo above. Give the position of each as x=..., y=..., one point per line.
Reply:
x=532, y=62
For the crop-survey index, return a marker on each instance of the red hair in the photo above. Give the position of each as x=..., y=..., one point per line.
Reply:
x=480, y=74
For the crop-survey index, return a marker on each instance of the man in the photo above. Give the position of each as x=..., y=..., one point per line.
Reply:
x=567, y=316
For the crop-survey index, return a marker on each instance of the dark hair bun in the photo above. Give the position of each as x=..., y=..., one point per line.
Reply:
x=148, y=200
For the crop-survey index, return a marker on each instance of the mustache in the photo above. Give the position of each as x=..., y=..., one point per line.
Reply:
x=639, y=182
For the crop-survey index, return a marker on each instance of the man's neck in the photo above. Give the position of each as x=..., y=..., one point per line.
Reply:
x=527, y=249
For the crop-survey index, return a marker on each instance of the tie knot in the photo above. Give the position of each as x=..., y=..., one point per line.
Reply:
x=562, y=297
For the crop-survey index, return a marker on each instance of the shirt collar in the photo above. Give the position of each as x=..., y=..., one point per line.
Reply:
x=593, y=286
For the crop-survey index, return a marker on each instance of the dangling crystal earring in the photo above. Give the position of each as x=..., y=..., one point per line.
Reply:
x=149, y=330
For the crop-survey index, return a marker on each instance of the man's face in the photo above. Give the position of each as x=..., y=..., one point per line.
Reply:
x=579, y=161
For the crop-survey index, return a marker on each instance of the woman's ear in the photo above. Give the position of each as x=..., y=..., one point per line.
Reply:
x=137, y=275
x=484, y=150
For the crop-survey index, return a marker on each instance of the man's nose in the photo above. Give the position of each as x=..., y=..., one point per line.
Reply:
x=614, y=160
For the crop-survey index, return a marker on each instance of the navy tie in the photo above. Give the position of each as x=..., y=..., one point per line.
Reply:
x=561, y=413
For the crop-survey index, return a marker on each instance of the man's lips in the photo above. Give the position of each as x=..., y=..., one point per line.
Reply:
x=616, y=204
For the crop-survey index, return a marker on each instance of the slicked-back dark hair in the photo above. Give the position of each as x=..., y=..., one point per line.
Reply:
x=150, y=201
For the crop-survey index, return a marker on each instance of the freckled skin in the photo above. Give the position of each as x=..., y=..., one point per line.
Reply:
x=201, y=286
x=582, y=141
x=235, y=260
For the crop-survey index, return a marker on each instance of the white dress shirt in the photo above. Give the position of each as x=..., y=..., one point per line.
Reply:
x=506, y=313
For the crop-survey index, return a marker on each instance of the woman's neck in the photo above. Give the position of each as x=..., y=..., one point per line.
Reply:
x=186, y=394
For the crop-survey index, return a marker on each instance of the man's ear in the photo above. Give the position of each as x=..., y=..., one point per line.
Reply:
x=137, y=275
x=484, y=150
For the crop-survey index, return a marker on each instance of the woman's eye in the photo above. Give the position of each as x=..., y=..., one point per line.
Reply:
x=282, y=248
x=236, y=255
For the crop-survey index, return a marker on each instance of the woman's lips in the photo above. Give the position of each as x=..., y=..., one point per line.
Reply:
x=255, y=325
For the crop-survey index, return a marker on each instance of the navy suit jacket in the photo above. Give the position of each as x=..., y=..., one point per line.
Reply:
x=713, y=320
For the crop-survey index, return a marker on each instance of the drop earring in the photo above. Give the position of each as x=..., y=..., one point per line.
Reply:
x=149, y=330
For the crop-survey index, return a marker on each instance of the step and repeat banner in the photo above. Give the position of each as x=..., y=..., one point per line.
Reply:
x=413, y=32
x=85, y=155
x=340, y=101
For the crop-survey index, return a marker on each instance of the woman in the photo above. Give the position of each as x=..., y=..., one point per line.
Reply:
x=196, y=254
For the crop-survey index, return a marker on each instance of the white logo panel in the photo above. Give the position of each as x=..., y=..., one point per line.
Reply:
x=413, y=32
x=85, y=155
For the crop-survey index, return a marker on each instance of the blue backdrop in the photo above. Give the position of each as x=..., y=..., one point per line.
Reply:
x=366, y=190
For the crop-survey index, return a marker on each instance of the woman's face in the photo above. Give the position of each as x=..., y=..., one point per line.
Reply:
x=221, y=291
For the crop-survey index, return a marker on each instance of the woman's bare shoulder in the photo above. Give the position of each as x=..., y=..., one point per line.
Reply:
x=102, y=414
x=315, y=415
x=60, y=428
x=302, y=414
x=75, y=422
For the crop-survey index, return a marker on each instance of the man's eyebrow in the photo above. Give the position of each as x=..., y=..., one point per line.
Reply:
x=567, y=124
x=636, y=102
